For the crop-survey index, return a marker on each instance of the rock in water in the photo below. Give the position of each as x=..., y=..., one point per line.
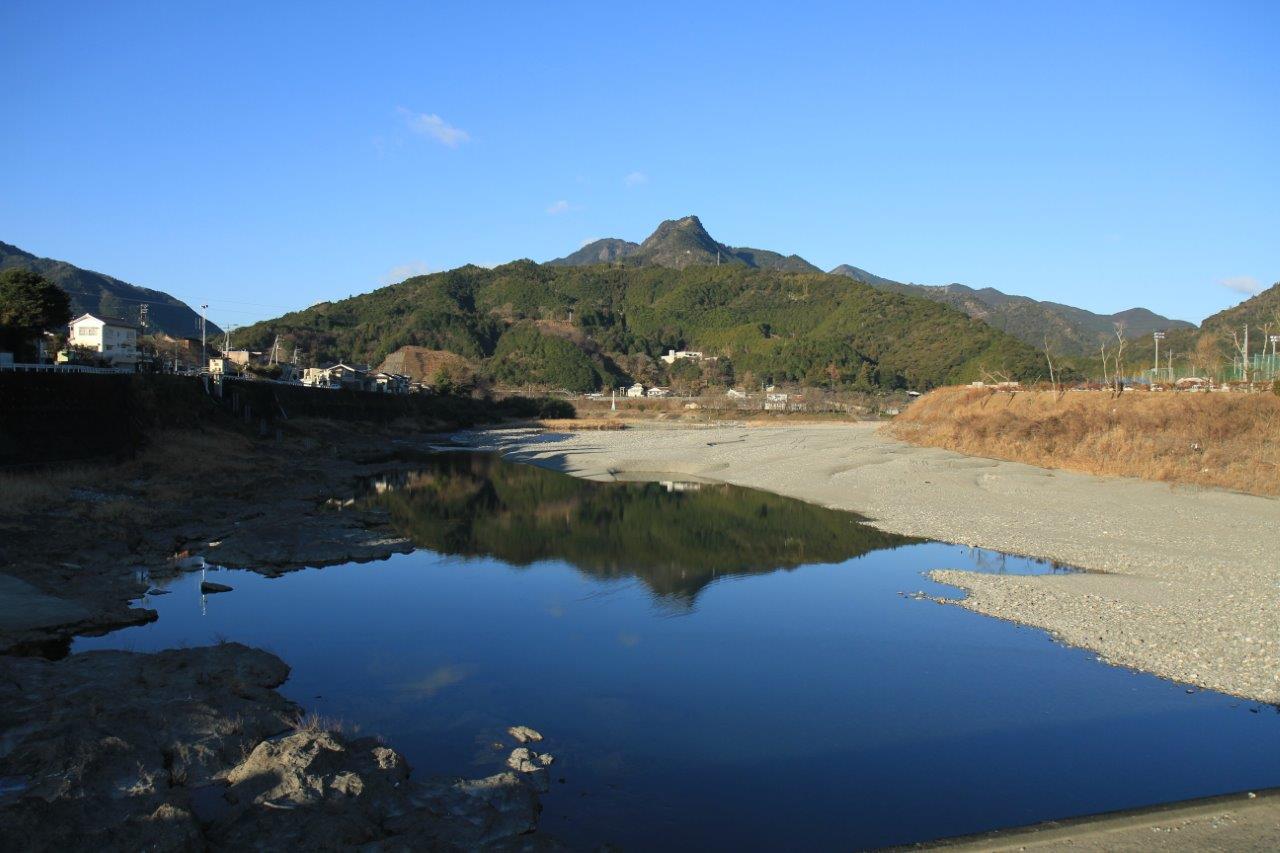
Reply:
x=207, y=587
x=532, y=765
x=524, y=734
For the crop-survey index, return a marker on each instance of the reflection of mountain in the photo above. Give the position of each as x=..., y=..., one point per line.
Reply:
x=677, y=542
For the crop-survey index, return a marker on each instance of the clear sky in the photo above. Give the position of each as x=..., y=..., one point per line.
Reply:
x=266, y=156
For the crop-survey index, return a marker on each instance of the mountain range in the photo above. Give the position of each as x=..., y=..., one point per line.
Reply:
x=1067, y=330
x=96, y=293
x=580, y=328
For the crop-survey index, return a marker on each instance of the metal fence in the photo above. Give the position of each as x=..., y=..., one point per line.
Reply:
x=21, y=367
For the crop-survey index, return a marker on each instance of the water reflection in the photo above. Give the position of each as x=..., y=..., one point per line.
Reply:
x=817, y=709
x=675, y=537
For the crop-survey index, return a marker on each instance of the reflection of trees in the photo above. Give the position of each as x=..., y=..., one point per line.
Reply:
x=676, y=542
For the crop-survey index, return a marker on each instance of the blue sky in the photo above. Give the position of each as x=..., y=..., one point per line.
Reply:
x=262, y=159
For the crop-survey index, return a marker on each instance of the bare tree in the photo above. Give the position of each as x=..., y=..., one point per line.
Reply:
x=1242, y=347
x=1266, y=338
x=1207, y=356
x=1121, y=341
x=1053, y=375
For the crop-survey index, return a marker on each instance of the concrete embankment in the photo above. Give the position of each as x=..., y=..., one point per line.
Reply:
x=1182, y=581
x=1235, y=822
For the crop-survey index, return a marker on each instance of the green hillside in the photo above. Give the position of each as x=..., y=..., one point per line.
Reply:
x=1068, y=330
x=1259, y=312
x=763, y=325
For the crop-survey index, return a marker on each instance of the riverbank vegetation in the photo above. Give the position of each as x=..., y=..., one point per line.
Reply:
x=1222, y=440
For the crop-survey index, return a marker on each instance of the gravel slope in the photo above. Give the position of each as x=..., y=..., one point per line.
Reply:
x=1183, y=583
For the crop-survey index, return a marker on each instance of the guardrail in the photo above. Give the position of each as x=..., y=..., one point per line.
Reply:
x=22, y=367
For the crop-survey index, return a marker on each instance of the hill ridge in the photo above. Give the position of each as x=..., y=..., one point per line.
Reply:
x=98, y=293
x=684, y=242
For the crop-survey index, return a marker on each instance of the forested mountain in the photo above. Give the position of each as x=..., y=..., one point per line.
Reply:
x=605, y=251
x=583, y=327
x=1069, y=330
x=681, y=243
x=858, y=274
x=96, y=293
x=1260, y=311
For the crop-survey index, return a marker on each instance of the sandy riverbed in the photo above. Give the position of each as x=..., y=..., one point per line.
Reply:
x=1183, y=582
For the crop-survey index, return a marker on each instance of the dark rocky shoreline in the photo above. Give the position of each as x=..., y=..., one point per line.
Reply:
x=194, y=748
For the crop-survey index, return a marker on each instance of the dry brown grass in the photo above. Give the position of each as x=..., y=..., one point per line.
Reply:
x=576, y=424
x=1229, y=441
x=40, y=489
x=166, y=471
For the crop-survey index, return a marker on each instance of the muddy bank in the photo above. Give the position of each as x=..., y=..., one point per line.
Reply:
x=194, y=749
x=1183, y=580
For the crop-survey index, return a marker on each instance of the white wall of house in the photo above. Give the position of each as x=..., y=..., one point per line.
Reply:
x=117, y=344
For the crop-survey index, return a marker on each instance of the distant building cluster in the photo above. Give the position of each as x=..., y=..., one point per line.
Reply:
x=638, y=390
x=358, y=377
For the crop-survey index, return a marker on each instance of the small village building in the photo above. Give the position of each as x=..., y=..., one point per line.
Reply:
x=389, y=383
x=352, y=376
x=114, y=339
x=735, y=394
x=636, y=390
x=673, y=356
x=223, y=365
x=775, y=401
x=658, y=392
x=241, y=356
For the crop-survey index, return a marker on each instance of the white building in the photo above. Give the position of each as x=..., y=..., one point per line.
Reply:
x=636, y=390
x=735, y=394
x=657, y=392
x=223, y=366
x=390, y=383
x=114, y=339
x=673, y=356
x=354, y=376
x=775, y=401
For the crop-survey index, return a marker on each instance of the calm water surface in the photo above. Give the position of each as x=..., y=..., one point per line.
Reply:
x=714, y=667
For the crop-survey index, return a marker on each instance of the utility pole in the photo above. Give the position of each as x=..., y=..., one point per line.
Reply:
x=142, y=321
x=204, y=351
x=1155, y=373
